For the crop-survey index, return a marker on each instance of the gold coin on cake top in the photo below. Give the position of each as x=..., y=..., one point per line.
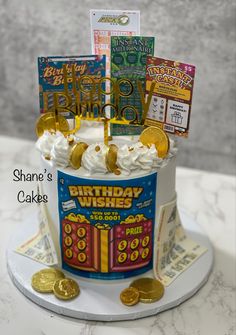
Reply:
x=76, y=154
x=150, y=289
x=129, y=296
x=47, y=121
x=43, y=280
x=111, y=158
x=66, y=289
x=154, y=135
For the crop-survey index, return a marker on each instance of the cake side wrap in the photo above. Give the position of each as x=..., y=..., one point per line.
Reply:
x=106, y=226
x=96, y=254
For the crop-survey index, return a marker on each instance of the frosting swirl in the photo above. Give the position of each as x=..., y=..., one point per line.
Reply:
x=173, y=149
x=137, y=157
x=94, y=158
x=60, y=151
x=45, y=143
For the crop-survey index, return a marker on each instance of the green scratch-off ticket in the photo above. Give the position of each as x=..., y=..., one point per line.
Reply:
x=128, y=61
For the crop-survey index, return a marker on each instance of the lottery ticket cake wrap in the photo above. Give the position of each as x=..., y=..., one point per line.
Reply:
x=104, y=224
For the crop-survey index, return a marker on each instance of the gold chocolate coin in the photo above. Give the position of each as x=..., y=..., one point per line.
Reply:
x=76, y=154
x=154, y=135
x=47, y=121
x=129, y=296
x=150, y=289
x=66, y=289
x=44, y=280
x=111, y=158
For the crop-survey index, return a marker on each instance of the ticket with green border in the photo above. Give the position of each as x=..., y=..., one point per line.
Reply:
x=128, y=61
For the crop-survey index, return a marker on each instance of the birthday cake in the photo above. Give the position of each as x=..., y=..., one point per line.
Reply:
x=107, y=138
x=104, y=201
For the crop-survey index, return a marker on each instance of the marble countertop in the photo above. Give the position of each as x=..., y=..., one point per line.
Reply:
x=208, y=197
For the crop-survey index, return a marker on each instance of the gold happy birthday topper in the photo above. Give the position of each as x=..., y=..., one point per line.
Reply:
x=85, y=100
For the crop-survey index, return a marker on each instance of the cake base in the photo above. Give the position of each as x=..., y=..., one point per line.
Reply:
x=100, y=300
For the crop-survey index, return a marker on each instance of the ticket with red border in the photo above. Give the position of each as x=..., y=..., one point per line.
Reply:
x=107, y=23
x=171, y=103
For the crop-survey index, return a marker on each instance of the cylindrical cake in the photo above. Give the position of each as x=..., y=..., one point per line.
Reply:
x=101, y=264
x=104, y=224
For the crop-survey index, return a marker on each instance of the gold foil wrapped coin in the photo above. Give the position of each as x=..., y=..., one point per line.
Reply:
x=66, y=289
x=111, y=158
x=76, y=154
x=150, y=289
x=44, y=280
x=47, y=121
x=154, y=135
x=129, y=296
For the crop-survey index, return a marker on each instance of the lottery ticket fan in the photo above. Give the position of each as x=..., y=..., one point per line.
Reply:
x=40, y=247
x=174, y=251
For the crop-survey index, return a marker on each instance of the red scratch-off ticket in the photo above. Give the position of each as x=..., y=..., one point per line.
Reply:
x=122, y=248
x=171, y=102
x=79, y=249
x=130, y=246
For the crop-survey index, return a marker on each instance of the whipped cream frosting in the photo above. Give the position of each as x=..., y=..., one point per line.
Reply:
x=138, y=156
x=129, y=157
x=45, y=143
x=173, y=149
x=94, y=158
x=54, y=146
x=60, y=152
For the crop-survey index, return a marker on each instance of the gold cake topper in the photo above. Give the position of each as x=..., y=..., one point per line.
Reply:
x=88, y=100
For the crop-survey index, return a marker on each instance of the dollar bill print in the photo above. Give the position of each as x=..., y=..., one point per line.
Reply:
x=174, y=250
x=40, y=247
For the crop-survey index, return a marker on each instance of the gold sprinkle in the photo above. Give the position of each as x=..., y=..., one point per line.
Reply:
x=97, y=148
x=70, y=140
x=47, y=157
x=117, y=172
x=131, y=149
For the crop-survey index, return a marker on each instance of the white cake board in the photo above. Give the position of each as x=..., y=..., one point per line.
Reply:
x=100, y=300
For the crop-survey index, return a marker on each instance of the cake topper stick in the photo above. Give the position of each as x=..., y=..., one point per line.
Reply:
x=106, y=139
x=145, y=104
x=73, y=73
x=57, y=126
x=65, y=79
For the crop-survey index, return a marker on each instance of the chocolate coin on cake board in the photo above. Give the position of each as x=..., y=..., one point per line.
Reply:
x=150, y=289
x=43, y=280
x=76, y=154
x=130, y=296
x=66, y=289
x=157, y=136
x=111, y=158
x=47, y=121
